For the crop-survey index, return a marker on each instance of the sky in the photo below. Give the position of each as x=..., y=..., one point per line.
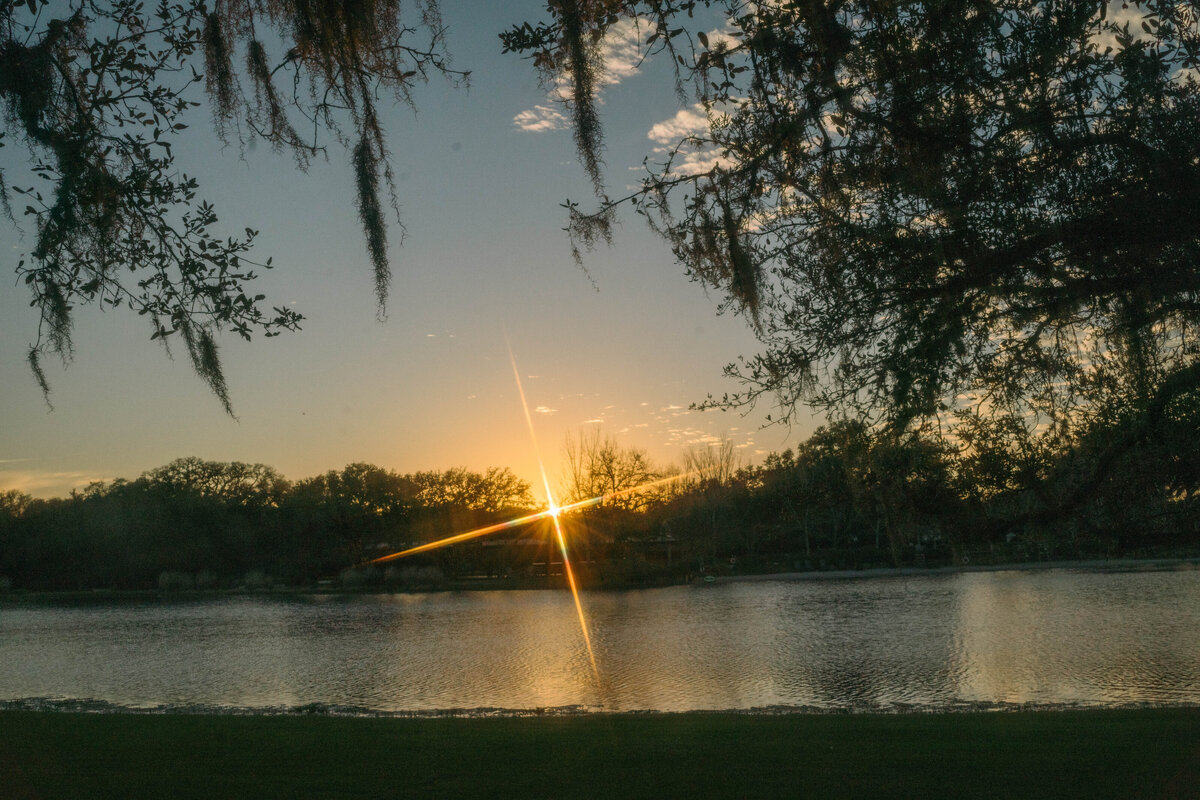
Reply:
x=627, y=345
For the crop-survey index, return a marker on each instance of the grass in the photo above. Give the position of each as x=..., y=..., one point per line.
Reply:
x=1152, y=753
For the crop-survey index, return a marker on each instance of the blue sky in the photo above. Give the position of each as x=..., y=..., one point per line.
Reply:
x=627, y=346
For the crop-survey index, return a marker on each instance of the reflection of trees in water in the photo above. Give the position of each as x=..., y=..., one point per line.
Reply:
x=988, y=638
x=872, y=642
x=1073, y=637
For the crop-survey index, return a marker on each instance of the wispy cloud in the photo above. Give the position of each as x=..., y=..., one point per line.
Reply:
x=622, y=54
x=45, y=483
x=622, y=49
x=540, y=119
x=692, y=121
x=685, y=139
x=545, y=410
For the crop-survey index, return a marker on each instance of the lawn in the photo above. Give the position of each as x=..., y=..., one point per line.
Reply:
x=1150, y=753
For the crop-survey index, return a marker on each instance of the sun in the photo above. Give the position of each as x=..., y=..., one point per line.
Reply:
x=553, y=512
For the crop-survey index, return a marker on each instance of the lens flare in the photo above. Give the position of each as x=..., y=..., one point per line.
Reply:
x=463, y=537
x=554, y=513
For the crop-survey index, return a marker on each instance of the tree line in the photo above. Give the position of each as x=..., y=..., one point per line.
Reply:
x=848, y=497
x=205, y=524
x=968, y=232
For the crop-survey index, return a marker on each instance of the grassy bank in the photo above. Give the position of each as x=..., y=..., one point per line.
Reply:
x=1068, y=754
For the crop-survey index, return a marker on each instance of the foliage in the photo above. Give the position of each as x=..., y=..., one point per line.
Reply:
x=235, y=483
x=975, y=218
x=496, y=490
x=97, y=92
x=847, y=497
x=597, y=465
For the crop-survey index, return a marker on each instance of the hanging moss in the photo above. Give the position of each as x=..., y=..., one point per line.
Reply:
x=742, y=270
x=583, y=65
x=97, y=96
x=279, y=128
x=206, y=361
x=218, y=71
x=366, y=181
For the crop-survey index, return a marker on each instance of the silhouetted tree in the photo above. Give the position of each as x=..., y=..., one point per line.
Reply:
x=927, y=209
x=356, y=508
x=597, y=465
x=496, y=490
x=96, y=92
x=252, y=485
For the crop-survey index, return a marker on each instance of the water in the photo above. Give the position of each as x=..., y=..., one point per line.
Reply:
x=986, y=639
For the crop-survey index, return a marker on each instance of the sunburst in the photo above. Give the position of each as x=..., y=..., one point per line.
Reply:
x=553, y=512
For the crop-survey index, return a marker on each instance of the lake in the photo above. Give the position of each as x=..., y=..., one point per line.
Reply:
x=979, y=639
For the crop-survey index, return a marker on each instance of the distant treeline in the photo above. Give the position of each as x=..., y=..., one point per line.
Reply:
x=845, y=498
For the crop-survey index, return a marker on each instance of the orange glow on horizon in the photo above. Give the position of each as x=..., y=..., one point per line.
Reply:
x=553, y=512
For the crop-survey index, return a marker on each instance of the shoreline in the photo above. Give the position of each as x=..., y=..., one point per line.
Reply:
x=93, y=707
x=1087, y=565
x=35, y=597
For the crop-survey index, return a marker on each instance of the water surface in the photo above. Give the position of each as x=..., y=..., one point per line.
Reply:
x=938, y=641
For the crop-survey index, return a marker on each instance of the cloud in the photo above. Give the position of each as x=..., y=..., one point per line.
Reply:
x=687, y=135
x=622, y=55
x=699, y=162
x=622, y=50
x=545, y=410
x=45, y=483
x=540, y=119
x=692, y=121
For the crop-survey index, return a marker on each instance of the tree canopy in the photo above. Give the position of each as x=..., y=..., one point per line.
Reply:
x=961, y=213
x=979, y=214
x=96, y=91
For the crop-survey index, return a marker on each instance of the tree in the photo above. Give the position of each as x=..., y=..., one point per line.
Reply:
x=927, y=210
x=364, y=488
x=14, y=503
x=236, y=483
x=712, y=465
x=598, y=465
x=96, y=92
x=496, y=490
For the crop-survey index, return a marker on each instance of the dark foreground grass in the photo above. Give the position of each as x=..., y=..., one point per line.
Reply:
x=1067, y=754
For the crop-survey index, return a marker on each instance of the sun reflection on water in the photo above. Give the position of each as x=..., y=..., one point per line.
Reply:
x=553, y=512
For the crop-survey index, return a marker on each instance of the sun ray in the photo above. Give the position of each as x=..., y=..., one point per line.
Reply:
x=587, y=638
x=555, y=511
x=551, y=513
x=462, y=537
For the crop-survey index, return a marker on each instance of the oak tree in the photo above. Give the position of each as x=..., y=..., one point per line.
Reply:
x=924, y=208
x=95, y=92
